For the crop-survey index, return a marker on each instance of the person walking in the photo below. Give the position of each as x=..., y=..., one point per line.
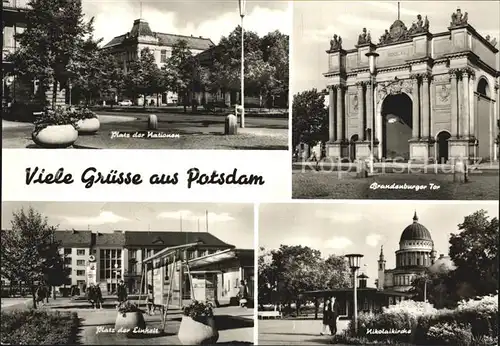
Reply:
x=327, y=315
x=121, y=292
x=98, y=296
x=334, y=317
x=91, y=295
x=150, y=302
x=243, y=294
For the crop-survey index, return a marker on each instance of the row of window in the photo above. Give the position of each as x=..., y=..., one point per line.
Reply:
x=403, y=280
x=79, y=252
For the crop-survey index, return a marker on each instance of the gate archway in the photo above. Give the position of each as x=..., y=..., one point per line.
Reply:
x=442, y=146
x=397, y=117
x=352, y=147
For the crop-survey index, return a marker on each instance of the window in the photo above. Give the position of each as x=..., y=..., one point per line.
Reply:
x=80, y=262
x=80, y=252
x=80, y=273
x=67, y=261
x=133, y=254
x=67, y=251
x=108, y=259
x=163, y=56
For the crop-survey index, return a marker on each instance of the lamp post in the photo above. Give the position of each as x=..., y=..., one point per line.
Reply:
x=242, y=4
x=116, y=276
x=372, y=57
x=354, y=265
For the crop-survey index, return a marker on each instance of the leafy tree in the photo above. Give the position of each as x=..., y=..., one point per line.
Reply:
x=143, y=76
x=29, y=252
x=275, y=52
x=51, y=47
x=474, y=251
x=182, y=71
x=437, y=287
x=309, y=118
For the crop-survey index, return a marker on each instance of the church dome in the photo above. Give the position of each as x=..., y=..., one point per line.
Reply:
x=415, y=231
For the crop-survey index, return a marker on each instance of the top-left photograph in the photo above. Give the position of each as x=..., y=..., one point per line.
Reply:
x=135, y=74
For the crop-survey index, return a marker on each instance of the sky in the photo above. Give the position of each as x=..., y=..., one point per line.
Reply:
x=315, y=23
x=354, y=227
x=232, y=223
x=208, y=18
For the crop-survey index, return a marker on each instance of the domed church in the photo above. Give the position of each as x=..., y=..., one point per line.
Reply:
x=416, y=253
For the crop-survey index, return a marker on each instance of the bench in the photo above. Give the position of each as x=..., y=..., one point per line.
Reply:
x=268, y=314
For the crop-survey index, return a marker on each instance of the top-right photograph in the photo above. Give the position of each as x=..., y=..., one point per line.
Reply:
x=395, y=100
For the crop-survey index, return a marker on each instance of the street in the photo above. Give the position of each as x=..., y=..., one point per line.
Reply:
x=194, y=132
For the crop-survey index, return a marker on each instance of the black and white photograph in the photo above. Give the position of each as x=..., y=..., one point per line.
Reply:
x=386, y=273
x=133, y=74
x=79, y=273
x=395, y=100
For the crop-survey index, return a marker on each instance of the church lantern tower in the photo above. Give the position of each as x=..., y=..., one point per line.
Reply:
x=381, y=269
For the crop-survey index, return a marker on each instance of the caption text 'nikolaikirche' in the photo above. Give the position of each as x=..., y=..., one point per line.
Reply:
x=91, y=176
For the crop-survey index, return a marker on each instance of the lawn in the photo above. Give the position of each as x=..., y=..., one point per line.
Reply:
x=34, y=327
x=332, y=185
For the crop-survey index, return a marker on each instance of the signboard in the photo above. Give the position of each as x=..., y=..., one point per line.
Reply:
x=158, y=286
x=92, y=273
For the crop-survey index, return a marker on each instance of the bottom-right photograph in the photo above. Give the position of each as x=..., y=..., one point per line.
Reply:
x=378, y=273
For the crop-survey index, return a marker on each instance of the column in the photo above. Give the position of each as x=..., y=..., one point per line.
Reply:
x=472, y=107
x=460, y=106
x=415, y=109
x=369, y=109
x=466, y=108
x=425, y=107
x=340, y=114
x=331, y=114
x=361, y=112
x=454, y=105
x=497, y=115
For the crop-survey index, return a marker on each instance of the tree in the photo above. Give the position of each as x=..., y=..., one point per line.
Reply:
x=143, y=76
x=275, y=52
x=309, y=118
x=51, y=46
x=29, y=252
x=183, y=69
x=474, y=251
x=437, y=287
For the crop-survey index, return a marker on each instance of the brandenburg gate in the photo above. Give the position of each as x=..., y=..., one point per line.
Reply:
x=435, y=95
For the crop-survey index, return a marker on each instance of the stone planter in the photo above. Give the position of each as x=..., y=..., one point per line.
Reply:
x=126, y=322
x=55, y=136
x=152, y=122
x=88, y=126
x=193, y=332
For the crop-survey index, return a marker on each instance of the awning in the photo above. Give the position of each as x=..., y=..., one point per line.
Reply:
x=214, y=258
x=170, y=251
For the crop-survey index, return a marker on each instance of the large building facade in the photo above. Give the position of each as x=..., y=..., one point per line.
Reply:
x=416, y=253
x=433, y=96
x=128, y=47
x=106, y=258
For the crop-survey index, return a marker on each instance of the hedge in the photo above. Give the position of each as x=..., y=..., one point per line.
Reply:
x=34, y=327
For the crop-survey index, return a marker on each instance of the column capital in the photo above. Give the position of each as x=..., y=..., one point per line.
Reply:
x=454, y=72
x=361, y=84
x=467, y=72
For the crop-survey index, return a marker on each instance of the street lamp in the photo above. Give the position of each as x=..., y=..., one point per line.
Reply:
x=116, y=276
x=242, y=4
x=354, y=265
x=372, y=57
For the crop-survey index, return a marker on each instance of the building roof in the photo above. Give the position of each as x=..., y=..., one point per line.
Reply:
x=349, y=290
x=169, y=238
x=415, y=231
x=222, y=256
x=74, y=238
x=141, y=28
x=115, y=239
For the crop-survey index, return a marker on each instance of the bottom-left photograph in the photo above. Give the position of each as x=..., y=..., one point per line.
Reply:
x=127, y=273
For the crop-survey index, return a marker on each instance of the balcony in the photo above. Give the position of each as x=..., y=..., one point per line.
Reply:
x=15, y=4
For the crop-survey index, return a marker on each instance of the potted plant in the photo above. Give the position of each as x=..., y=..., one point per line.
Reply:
x=88, y=122
x=55, y=128
x=198, y=324
x=128, y=318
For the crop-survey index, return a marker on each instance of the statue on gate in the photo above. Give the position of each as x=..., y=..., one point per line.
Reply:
x=364, y=37
x=458, y=18
x=336, y=43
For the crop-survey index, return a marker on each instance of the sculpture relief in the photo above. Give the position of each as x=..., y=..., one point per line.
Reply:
x=364, y=37
x=397, y=32
x=419, y=26
x=355, y=103
x=393, y=88
x=444, y=94
x=336, y=43
x=458, y=18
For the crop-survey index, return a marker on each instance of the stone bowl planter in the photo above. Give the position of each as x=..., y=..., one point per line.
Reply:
x=88, y=126
x=126, y=323
x=193, y=332
x=55, y=136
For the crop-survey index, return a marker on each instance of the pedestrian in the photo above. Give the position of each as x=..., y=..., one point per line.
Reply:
x=121, y=292
x=243, y=294
x=98, y=296
x=91, y=295
x=150, y=302
x=334, y=316
x=327, y=312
